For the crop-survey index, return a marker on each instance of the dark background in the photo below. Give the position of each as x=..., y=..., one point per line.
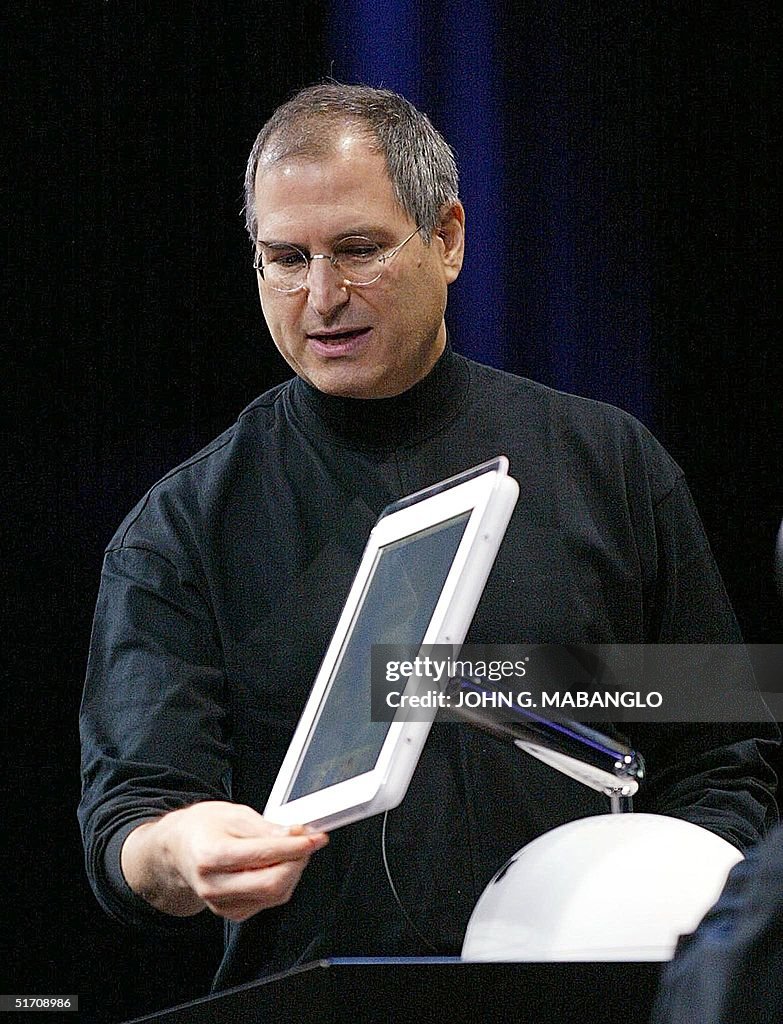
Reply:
x=621, y=178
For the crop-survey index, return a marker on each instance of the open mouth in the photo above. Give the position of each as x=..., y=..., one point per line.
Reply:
x=338, y=343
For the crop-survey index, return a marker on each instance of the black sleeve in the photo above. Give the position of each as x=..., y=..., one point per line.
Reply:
x=715, y=774
x=154, y=722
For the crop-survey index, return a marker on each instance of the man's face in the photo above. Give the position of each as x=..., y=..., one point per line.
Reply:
x=362, y=342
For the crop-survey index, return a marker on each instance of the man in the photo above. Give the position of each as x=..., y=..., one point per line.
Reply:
x=221, y=589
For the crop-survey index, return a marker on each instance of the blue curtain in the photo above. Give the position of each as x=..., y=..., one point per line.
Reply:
x=556, y=279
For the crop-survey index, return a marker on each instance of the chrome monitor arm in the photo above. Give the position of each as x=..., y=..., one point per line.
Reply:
x=576, y=750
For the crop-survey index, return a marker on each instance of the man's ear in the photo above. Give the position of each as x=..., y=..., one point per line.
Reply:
x=451, y=232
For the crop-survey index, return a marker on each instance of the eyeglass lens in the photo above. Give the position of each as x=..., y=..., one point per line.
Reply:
x=356, y=259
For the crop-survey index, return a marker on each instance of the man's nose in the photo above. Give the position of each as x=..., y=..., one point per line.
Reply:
x=326, y=286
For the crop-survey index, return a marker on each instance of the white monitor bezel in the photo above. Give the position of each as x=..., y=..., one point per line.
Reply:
x=489, y=495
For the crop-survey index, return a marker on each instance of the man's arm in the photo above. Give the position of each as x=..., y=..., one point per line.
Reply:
x=219, y=855
x=716, y=774
x=158, y=826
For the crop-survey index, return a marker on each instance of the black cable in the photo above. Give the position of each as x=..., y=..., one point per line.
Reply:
x=405, y=914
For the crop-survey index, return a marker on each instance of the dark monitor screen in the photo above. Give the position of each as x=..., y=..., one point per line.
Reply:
x=396, y=607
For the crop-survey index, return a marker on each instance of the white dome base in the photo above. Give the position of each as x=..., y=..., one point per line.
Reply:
x=609, y=887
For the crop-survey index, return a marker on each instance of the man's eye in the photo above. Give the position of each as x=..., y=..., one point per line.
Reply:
x=357, y=251
x=286, y=258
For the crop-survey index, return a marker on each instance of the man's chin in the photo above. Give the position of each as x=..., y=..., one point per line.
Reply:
x=352, y=381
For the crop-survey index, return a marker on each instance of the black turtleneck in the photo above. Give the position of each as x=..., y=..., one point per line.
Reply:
x=222, y=587
x=405, y=419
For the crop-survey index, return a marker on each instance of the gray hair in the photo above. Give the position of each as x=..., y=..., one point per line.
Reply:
x=420, y=162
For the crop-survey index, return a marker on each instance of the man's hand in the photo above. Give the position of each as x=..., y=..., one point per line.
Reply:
x=216, y=854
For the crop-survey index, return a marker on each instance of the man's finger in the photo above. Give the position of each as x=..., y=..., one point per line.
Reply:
x=247, y=892
x=244, y=854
